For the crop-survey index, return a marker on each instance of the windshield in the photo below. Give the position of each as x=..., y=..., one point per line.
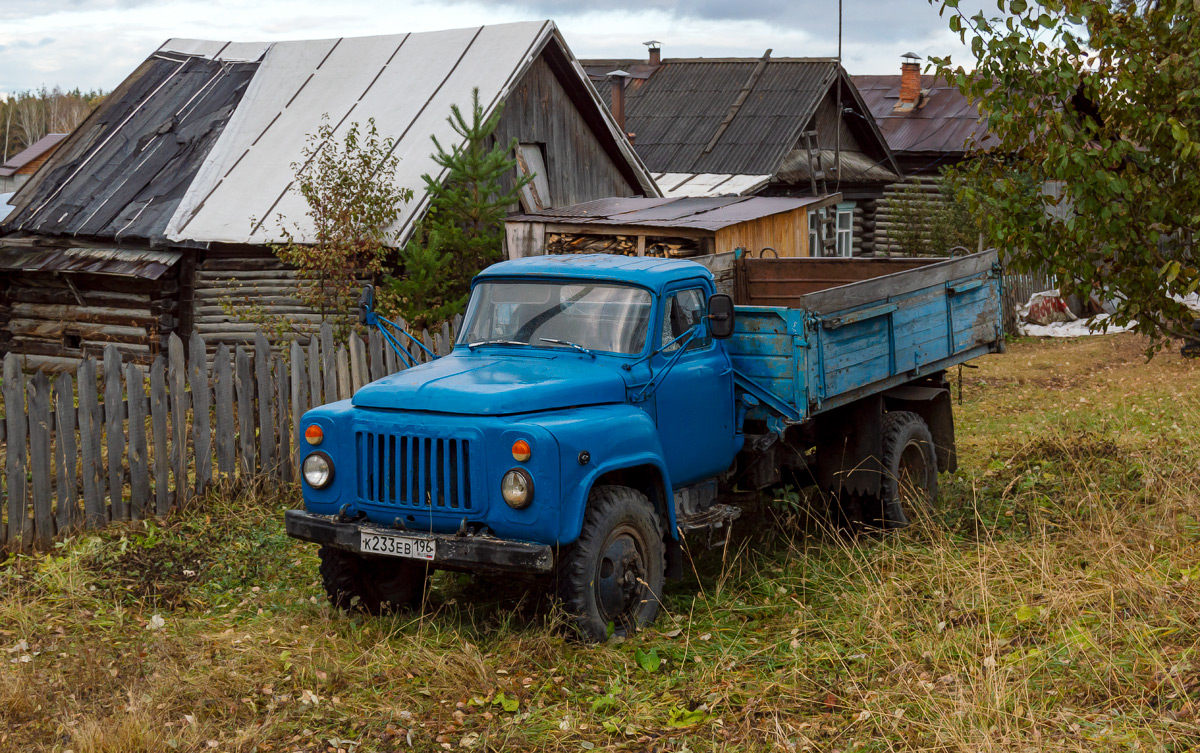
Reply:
x=610, y=318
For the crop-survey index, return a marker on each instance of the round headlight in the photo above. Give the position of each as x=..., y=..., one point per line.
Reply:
x=318, y=470
x=517, y=488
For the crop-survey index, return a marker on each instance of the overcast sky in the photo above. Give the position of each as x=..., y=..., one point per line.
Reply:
x=95, y=43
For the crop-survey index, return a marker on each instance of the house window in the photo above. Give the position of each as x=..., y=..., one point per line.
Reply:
x=531, y=160
x=845, y=229
x=814, y=244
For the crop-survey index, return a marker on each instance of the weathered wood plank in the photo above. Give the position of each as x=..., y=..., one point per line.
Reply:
x=328, y=368
x=378, y=367
x=345, y=389
x=428, y=342
x=245, y=409
x=298, y=401
x=66, y=454
x=447, y=339
x=392, y=362
x=226, y=431
x=95, y=513
x=283, y=451
x=201, y=405
x=139, y=470
x=40, y=459
x=158, y=421
x=358, y=363
x=15, y=454
x=176, y=374
x=314, y=372
x=114, y=433
x=266, y=423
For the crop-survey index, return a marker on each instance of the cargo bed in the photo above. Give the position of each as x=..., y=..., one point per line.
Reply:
x=813, y=334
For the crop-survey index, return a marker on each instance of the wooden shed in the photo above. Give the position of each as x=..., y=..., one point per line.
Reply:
x=677, y=228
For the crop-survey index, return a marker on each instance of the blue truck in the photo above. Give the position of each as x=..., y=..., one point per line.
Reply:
x=596, y=409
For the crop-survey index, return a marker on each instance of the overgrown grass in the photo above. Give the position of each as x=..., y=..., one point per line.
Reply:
x=1051, y=601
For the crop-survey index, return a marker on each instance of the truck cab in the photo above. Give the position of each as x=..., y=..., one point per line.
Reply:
x=574, y=381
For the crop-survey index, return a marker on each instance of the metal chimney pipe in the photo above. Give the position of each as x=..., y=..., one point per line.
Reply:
x=617, y=100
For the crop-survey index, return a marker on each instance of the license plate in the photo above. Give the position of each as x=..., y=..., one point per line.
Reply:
x=397, y=546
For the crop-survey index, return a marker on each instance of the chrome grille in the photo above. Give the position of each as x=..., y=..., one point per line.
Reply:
x=414, y=472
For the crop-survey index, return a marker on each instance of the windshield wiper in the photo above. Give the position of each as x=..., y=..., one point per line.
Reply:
x=474, y=345
x=569, y=344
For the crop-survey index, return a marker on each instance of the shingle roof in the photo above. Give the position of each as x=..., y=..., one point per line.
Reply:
x=946, y=123
x=30, y=153
x=200, y=141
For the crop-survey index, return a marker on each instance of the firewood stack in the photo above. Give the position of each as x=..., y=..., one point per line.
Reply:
x=622, y=245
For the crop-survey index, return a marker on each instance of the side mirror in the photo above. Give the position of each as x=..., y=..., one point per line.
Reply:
x=366, y=303
x=720, y=316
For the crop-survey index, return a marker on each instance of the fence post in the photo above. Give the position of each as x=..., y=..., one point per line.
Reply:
x=158, y=420
x=65, y=452
x=139, y=470
x=344, y=388
x=375, y=341
x=266, y=429
x=14, y=460
x=358, y=363
x=314, y=371
x=245, y=401
x=299, y=402
x=201, y=402
x=284, y=450
x=223, y=376
x=114, y=433
x=327, y=366
x=39, y=459
x=95, y=514
x=179, y=406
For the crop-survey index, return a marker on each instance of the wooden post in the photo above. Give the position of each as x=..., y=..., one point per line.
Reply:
x=40, y=459
x=314, y=372
x=66, y=452
x=428, y=341
x=114, y=433
x=392, y=362
x=299, y=400
x=358, y=363
x=329, y=375
x=14, y=459
x=284, y=450
x=139, y=470
x=343, y=374
x=378, y=367
x=201, y=402
x=95, y=514
x=226, y=431
x=176, y=374
x=447, y=340
x=158, y=420
x=245, y=400
x=266, y=426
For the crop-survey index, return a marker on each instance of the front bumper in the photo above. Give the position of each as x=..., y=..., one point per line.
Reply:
x=468, y=552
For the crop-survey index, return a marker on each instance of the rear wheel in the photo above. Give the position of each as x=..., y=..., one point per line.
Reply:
x=614, y=574
x=371, y=584
x=909, y=484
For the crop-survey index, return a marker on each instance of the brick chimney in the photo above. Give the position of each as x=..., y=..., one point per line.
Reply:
x=910, y=81
x=617, y=101
x=655, y=48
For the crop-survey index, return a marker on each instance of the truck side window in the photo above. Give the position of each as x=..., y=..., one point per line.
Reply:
x=684, y=310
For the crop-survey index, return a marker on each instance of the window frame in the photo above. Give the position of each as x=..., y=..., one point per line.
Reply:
x=705, y=342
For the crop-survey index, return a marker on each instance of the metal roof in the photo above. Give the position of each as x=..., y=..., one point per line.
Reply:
x=677, y=185
x=945, y=123
x=198, y=144
x=30, y=153
x=699, y=213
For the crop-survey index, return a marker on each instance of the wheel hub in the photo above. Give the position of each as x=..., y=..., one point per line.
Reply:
x=620, y=574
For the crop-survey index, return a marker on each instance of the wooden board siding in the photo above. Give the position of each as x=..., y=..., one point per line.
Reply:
x=786, y=232
x=539, y=111
x=52, y=320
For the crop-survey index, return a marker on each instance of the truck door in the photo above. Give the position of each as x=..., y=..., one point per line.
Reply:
x=694, y=403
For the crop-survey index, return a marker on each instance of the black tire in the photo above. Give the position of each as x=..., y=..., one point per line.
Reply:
x=909, y=484
x=615, y=572
x=371, y=584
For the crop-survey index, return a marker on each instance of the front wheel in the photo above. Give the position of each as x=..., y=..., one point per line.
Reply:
x=371, y=584
x=614, y=574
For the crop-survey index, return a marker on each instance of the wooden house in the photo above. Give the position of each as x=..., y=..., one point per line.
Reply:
x=165, y=201
x=766, y=126
x=18, y=168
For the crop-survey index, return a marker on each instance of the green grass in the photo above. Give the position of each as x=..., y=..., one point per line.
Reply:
x=1051, y=602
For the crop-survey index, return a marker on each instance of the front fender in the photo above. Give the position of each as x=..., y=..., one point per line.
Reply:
x=615, y=437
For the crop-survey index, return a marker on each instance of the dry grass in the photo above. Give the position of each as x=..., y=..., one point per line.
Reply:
x=1052, y=602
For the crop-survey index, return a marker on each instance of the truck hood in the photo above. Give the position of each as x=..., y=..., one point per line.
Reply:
x=496, y=385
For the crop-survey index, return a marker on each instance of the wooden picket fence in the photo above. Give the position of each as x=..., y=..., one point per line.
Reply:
x=83, y=451
x=1018, y=288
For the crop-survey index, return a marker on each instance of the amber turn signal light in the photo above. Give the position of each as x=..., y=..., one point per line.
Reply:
x=313, y=435
x=521, y=451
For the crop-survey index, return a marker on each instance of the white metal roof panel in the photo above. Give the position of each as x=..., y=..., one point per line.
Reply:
x=709, y=184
